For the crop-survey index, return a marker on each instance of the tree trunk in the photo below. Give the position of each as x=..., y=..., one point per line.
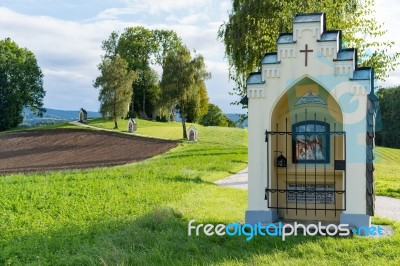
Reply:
x=144, y=94
x=183, y=117
x=115, y=112
x=144, y=101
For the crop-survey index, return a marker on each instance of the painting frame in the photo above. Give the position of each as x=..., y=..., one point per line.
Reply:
x=311, y=142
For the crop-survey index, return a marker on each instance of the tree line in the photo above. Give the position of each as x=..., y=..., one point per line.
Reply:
x=388, y=119
x=21, y=84
x=129, y=86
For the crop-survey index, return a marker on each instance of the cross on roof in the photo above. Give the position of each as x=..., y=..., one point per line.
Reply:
x=306, y=51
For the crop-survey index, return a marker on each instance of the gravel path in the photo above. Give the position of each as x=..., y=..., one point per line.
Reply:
x=384, y=206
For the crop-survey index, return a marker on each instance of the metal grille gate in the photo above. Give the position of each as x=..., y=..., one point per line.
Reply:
x=308, y=185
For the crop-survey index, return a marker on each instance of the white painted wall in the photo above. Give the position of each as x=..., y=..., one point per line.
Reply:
x=334, y=76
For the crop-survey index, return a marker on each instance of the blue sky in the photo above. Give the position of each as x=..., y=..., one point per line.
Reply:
x=66, y=37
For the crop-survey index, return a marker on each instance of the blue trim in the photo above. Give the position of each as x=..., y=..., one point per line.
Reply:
x=285, y=38
x=265, y=217
x=254, y=78
x=343, y=54
x=367, y=71
x=270, y=58
x=355, y=220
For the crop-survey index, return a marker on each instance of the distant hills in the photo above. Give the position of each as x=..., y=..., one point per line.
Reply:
x=235, y=118
x=53, y=116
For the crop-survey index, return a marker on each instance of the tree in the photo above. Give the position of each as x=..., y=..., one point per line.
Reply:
x=215, y=117
x=21, y=84
x=142, y=48
x=181, y=80
x=389, y=102
x=115, y=83
x=197, y=106
x=254, y=26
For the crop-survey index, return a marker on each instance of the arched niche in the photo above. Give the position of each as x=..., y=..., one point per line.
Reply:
x=308, y=126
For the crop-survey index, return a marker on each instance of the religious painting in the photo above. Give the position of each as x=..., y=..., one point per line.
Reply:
x=311, y=142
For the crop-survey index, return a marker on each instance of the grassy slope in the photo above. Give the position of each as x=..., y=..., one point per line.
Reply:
x=171, y=130
x=138, y=214
x=387, y=172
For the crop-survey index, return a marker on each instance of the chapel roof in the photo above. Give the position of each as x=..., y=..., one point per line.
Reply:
x=362, y=73
x=285, y=38
x=255, y=78
x=346, y=54
x=330, y=35
x=311, y=17
x=270, y=58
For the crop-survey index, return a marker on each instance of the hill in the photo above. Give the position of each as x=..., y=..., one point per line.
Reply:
x=235, y=118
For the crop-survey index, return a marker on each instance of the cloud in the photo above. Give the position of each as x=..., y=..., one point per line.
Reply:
x=115, y=13
x=157, y=6
x=190, y=19
x=69, y=51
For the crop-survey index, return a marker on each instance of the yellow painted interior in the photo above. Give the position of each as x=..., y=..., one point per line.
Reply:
x=283, y=117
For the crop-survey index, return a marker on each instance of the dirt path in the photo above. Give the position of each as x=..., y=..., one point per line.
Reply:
x=57, y=149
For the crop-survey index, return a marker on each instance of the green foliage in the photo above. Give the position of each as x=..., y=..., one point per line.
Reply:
x=142, y=48
x=389, y=102
x=115, y=83
x=147, y=93
x=21, y=84
x=254, y=26
x=183, y=81
x=197, y=106
x=136, y=45
x=215, y=117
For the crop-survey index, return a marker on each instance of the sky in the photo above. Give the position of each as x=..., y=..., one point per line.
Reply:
x=66, y=36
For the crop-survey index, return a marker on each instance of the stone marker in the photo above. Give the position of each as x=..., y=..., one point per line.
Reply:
x=82, y=116
x=192, y=133
x=132, y=125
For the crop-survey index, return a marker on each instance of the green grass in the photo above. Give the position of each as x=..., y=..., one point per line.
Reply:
x=170, y=130
x=137, y=214
x=47, y=127
x=387, y=172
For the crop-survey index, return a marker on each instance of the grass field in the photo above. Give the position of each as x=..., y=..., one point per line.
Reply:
x=387, y=172
x=137, y=214
x=170, y=130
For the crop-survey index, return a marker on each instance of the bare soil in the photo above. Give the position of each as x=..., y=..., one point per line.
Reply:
x=59, y=149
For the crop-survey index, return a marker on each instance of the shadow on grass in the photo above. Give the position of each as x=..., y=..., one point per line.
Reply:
x=159, y=237
x=195, y=180
x=201, y=152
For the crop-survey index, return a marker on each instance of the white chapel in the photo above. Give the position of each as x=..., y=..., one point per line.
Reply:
x=311, y=117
